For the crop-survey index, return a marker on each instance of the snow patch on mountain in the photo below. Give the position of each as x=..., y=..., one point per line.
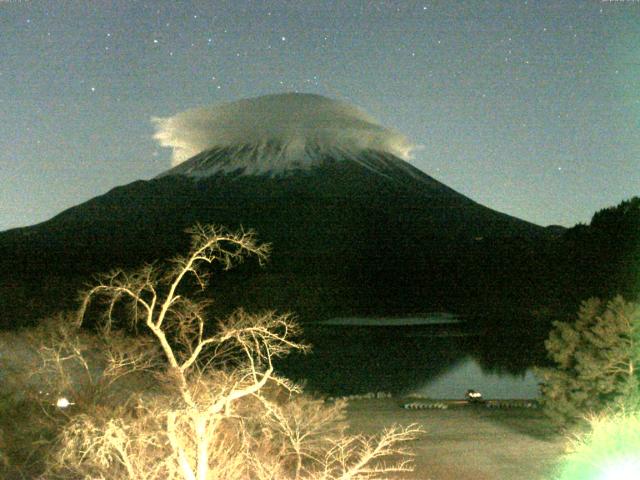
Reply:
x=278, y=160
x=274, y=133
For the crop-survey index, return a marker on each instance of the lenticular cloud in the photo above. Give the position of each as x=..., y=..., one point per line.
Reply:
x=292, y=120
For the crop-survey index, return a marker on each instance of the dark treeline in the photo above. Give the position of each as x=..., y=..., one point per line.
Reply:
x=601, y=259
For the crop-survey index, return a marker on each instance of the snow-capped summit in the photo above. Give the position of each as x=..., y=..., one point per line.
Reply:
x=277, y=160
x=273, y=134
x=354, y=227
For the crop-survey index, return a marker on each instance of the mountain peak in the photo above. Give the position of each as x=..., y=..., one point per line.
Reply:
x=276, y=160
x=273, y=133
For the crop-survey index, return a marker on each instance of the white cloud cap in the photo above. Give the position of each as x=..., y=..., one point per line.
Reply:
x=292, y=120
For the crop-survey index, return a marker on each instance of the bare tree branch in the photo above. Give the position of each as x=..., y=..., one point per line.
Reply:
x=218, y=411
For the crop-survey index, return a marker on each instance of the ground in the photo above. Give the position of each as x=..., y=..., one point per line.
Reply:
x=469, y=442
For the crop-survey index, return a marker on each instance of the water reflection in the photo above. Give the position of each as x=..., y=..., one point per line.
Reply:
x=448, y=361
x=468, y=374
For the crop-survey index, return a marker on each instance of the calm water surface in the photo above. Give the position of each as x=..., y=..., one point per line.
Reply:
x=439, y=361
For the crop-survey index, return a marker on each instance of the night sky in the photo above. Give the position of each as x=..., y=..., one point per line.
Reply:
x=528, y=107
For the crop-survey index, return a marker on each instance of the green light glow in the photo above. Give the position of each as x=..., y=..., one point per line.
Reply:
x=626, y=469
x=610, y=451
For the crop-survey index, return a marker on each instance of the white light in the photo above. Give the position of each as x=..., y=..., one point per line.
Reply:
x=624, y=470
x=63, y=403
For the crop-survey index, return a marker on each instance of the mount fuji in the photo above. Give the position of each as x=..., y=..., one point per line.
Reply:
x=354, y=227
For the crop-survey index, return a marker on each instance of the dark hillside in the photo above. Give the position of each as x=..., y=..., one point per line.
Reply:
x=346, y=238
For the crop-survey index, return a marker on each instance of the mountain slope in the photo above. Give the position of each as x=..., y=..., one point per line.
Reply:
x=373, y=234
x=355, y=229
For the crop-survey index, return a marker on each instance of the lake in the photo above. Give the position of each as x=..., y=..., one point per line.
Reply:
x=441, y=360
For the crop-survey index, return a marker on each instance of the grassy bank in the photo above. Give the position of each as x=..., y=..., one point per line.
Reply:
x=469, y=442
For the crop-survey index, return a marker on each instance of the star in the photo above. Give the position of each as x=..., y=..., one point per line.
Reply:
x=466, y=65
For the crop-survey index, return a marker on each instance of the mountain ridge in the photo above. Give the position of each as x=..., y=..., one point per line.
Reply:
x=354, y=227
x=358, y=240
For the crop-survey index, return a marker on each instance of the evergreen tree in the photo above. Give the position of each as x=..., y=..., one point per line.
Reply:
x=597, y=358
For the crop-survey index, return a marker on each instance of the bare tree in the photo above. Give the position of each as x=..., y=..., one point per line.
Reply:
x=221, y=411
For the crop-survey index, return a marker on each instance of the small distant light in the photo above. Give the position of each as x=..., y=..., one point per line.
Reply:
x=473, y=396
x=63, y=402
